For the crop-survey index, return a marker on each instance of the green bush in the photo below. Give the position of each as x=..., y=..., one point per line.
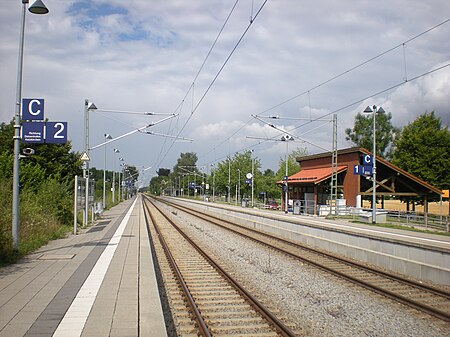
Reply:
x=44, y=209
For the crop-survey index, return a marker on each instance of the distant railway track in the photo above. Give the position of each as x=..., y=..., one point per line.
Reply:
x=420, y=296
x=212, y=302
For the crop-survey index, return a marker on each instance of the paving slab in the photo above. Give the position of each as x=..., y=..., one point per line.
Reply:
x=100, y=269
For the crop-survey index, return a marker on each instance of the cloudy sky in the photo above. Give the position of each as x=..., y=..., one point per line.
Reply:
x=299, y=60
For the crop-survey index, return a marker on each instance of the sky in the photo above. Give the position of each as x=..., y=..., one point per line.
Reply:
x=302, y=61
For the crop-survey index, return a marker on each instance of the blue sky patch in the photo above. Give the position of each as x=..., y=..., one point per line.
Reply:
x=94, y=10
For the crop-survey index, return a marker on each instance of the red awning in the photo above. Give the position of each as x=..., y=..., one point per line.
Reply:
x=315, y=176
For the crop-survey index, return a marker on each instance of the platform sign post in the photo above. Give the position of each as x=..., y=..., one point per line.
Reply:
x=85, y=159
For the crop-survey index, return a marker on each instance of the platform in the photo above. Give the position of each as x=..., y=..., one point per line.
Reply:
x=424, y=256
x=100, y=282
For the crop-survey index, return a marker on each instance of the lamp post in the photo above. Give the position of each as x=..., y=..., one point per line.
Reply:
x=213, y=173
x=107, y=137
x=239, y=186
x=374, y=110
x=253, y=178
x=229, y=179
x=286, y=138
x=114, y=176
x=121, y=167
x=37, y=8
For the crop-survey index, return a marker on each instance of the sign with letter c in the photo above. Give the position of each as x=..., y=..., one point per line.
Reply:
x=33, y=109
x=367, y=159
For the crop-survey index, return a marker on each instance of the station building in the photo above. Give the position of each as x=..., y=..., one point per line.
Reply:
x=311, y=186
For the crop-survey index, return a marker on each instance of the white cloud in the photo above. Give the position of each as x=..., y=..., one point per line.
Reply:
x=142, y=56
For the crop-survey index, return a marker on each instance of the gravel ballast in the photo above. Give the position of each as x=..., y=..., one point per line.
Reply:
x=313, y=302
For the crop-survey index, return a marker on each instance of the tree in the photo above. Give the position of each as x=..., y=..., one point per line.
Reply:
x=241, y=162
x=293, y=165
x=163, y=172
x=362, y=133
x=268, y=185
x=186, y=163
x=423, y=149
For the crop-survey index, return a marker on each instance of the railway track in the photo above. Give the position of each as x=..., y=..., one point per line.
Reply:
x=430, y=300
x=205, y=300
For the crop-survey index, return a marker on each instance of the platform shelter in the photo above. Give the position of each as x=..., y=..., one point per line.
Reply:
x=310, y=187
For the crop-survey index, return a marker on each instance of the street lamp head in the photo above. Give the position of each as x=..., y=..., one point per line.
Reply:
x=116, y=151
x=108, y=136
x=368, y=109
x=91, y=106
x=38, y=7
x=374, y=109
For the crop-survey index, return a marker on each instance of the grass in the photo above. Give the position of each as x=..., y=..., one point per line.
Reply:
x=45, y=214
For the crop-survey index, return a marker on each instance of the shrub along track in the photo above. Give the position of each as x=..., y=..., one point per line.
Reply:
x=420, y=296
x=205, y=300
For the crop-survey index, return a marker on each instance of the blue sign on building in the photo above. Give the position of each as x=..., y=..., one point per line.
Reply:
x=363, y=170
x=33, y=109
x=368, y=160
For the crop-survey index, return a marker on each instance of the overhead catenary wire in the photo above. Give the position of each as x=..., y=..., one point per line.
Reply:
x=356, y=67
x=359, y=101
x=404, y=81
x=194, y=109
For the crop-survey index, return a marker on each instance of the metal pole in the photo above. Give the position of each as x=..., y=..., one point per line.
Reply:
x=214, y=185
x=93, y=204
x=86, y=169
x=286, y=176
x=239, y=185
x=104, y=179
x=16, y=138
x=75, y=206
x=114, y=179
x=118, y=194
x=229, y=180
x=253, y=178
x=374, y=173
x=86, y=203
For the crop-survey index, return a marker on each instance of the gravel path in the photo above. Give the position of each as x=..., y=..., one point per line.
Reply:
x=312, y=302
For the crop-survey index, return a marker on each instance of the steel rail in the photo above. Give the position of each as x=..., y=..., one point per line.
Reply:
x=397, y=297
x=272, y=319
x=203, y=328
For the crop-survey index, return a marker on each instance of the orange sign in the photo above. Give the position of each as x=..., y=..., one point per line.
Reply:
x=445, y=193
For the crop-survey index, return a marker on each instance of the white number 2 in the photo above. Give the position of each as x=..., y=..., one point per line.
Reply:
x=59, y=131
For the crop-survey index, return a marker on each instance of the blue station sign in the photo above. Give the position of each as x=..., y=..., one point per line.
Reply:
x=33, y=109
x=56, y=132
x=363, y=170
x=367, y=160
x=33, y=132
x=44, y=132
